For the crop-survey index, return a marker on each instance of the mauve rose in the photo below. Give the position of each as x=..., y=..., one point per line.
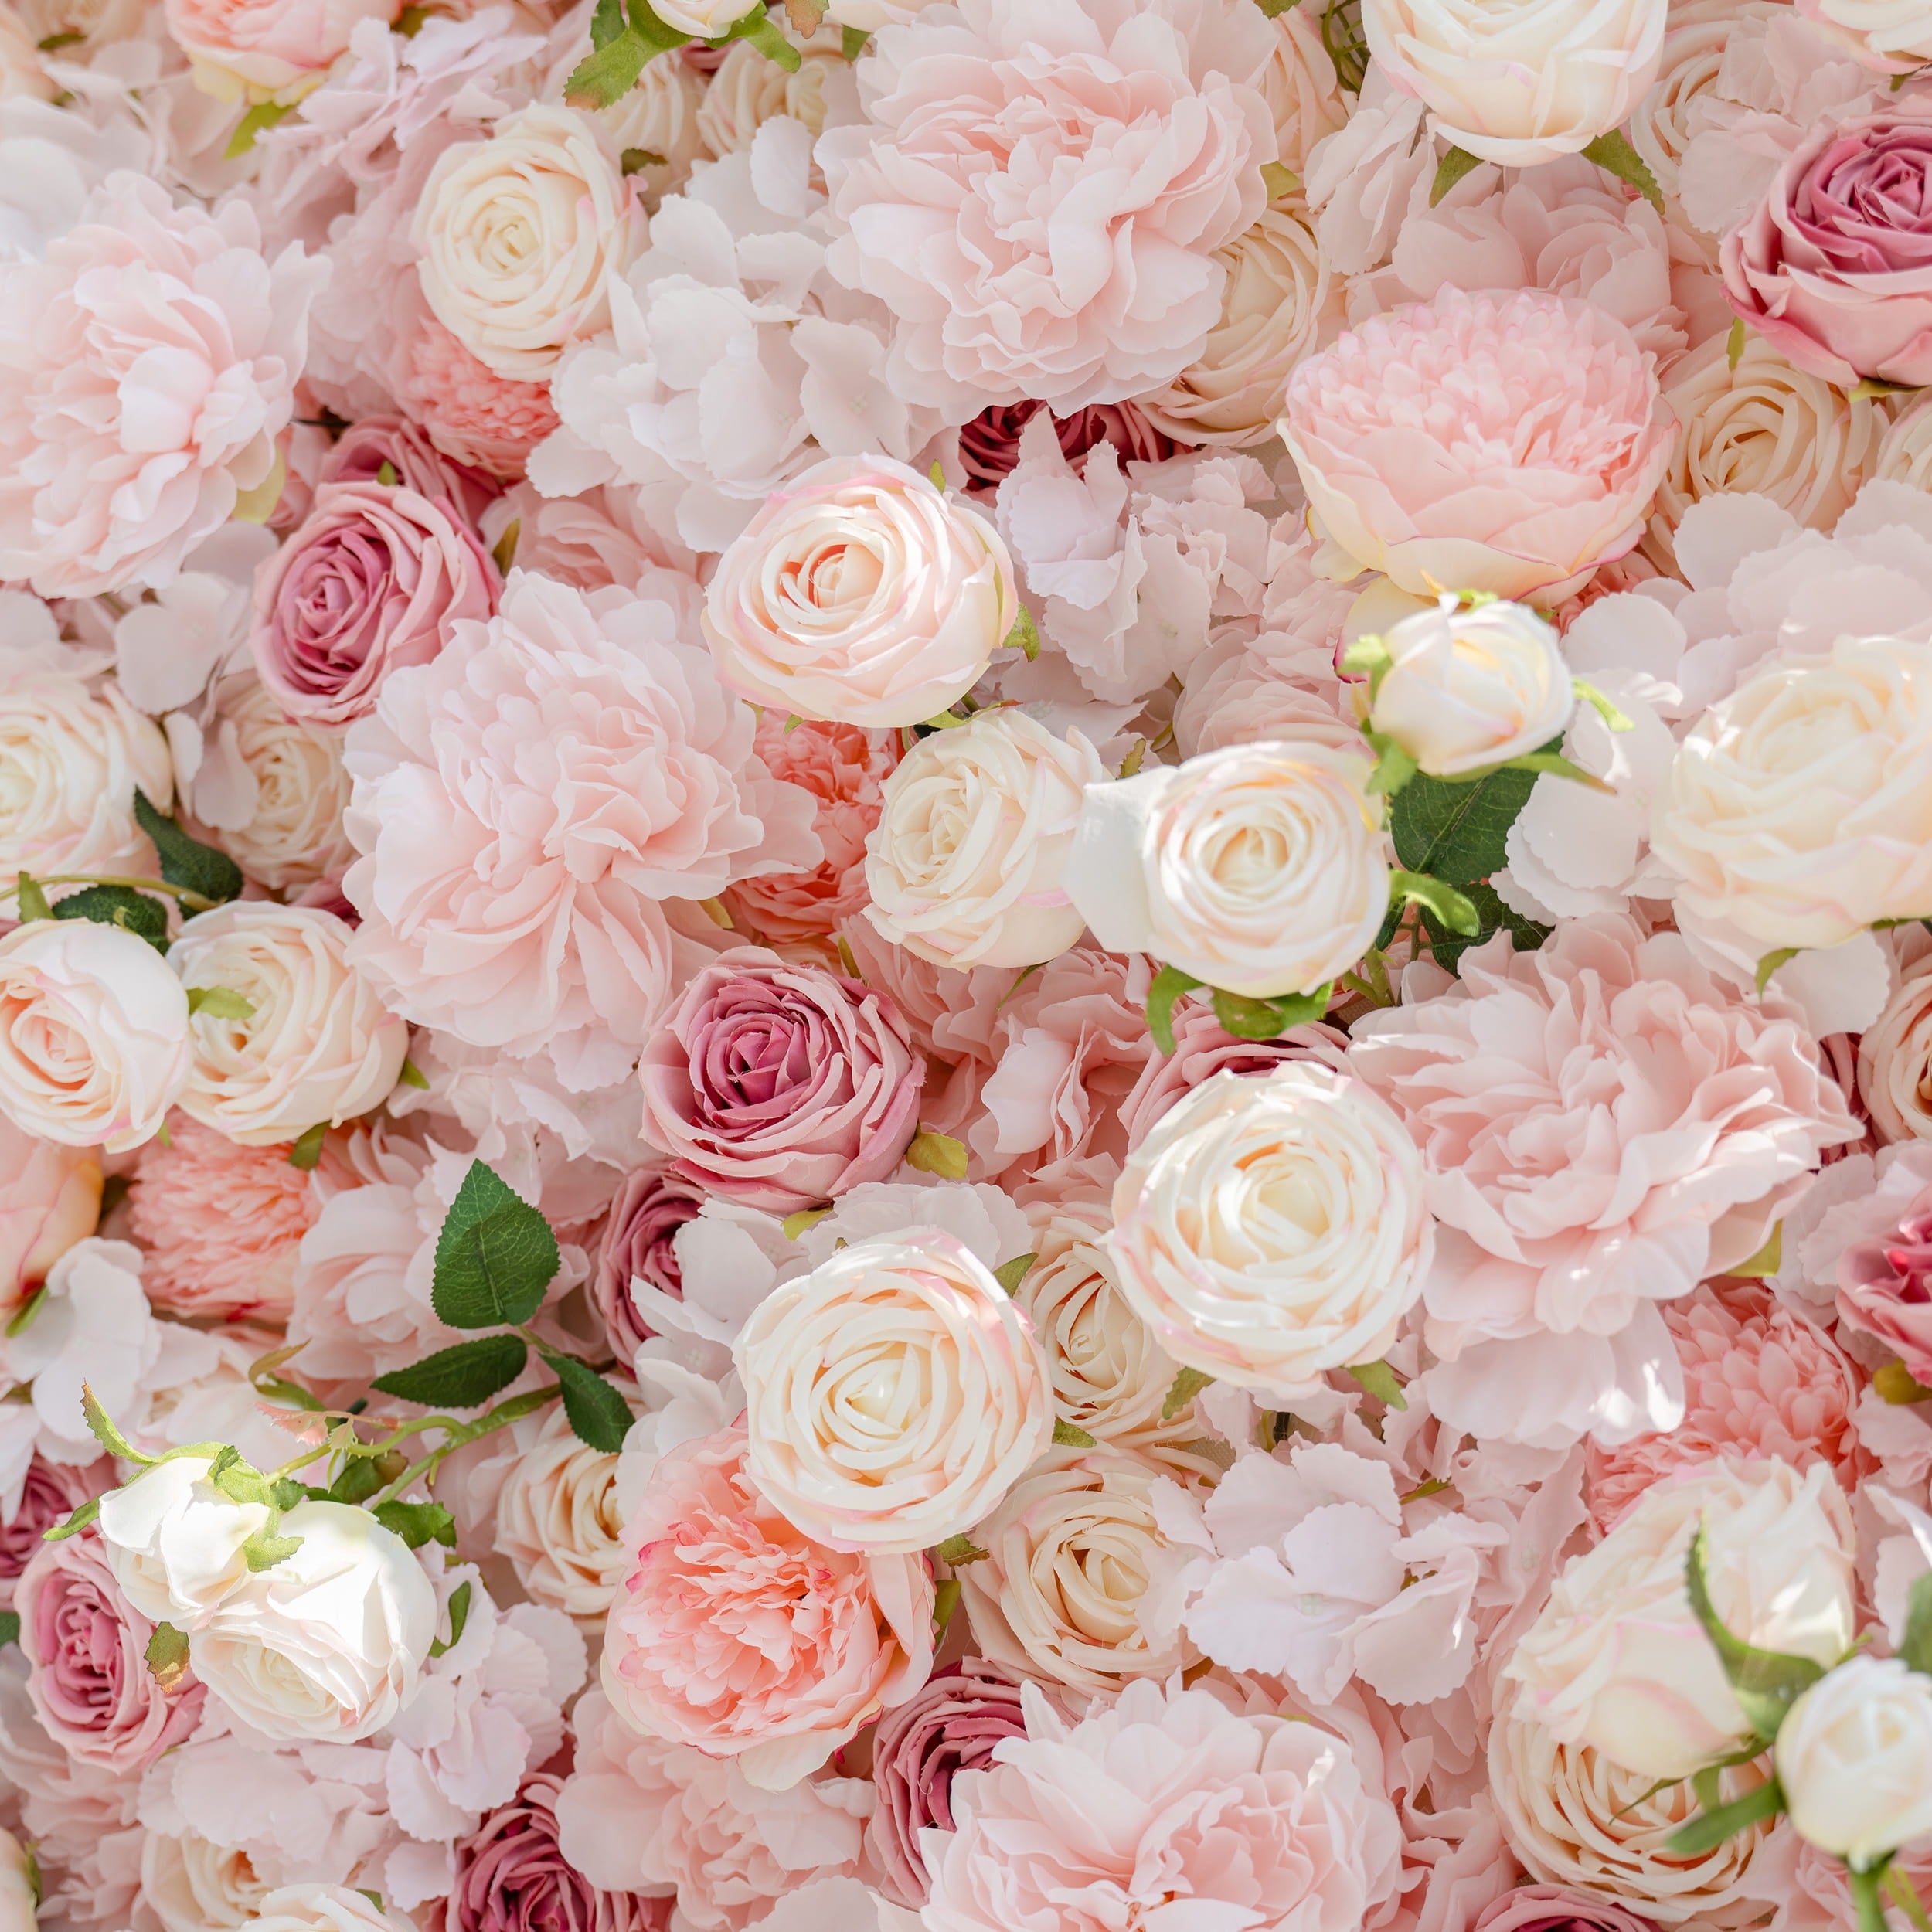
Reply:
x=371, y=582
x=989, y=444
x=1885, y=1290
x=359, y=452
x=50, y=1492
x=1834, y=266
x=644, y=1216
x=780, y=1085
x=86, y=1646
x=949, y=1726
x=1556, y=1908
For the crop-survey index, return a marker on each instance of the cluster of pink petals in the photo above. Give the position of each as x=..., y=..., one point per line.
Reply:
x=469, y=411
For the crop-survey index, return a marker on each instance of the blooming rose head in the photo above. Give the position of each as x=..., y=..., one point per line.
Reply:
x=1271, y=1227
x=989, y=444
x=639, y=1242
x=1509, y=443
x=1885, y=1290
x=860, y=594
x=322, y=1908
x=1617, y=1660
x=175, y=1542
x=780, y=1086
x=50, y=1492
x=967, y=864
x=93, y=1034
x=371, y=581
x=1038, y=194
x=50, y=1198
x=734, y=1633
x=360, y=453
x=559, y=1521
x=892, y=1396
x=1892, y=36
x=153, y=365
x=1519, y=82
x=1895, y=1058
x=1855, y=1758
x=1259, y=868
x=470, y=412
x=520, y=236
x=267, y=49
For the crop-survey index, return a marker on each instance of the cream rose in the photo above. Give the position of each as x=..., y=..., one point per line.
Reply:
x=330, y=1642
x=1467, y=688
x=1260, y=868
x=325, y=1908
x=19, y=1887
x=967, y=865
x=1617, y=1660
x=892, y=1396
x=1800, y=808
x=558, y=1521
x=750, y=88
x=194, y=1885
x=705, y=19
x=93, y=1034
x=1270, y=1227
x=1895, y=1060
x=860, y=594
x=1892, y=36
x=174, y=1541
x=521, y=236
x=1855, y=1757
x=319, y=1044
x=267, y=49
x=1519, y=82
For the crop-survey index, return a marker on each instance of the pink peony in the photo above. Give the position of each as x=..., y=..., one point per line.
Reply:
x=1507, y=443
x=371, y=581
x=1885, y=1289
x=639, y=1240
x=740, y=1636
x=989, y=444
x=1039, y=187
x=844, y=770
x=780, y=1086
x=1167, y=1808
x=357, y=456
x=219, y=1223
x=1604, y=1124
x=267, y=48
x=469, y=411
x=524, y=801
x=50, y=1492
x=150, y=364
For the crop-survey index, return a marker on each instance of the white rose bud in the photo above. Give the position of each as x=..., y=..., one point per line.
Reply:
x=319, y=1044
x=706, y=19
x=1260, y=868
x=93, y=1034
x=174, y=1541
x=967, y=865
x=1855, y=1758
x=1271, y=1227
x=323, y=1908
x=330, y=1642
x=1469, y=687
x=892, y=1396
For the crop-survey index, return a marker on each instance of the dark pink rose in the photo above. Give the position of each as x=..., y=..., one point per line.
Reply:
x=363, y=449
x=780, y=1086
x=949, y=1726
x=644, y=1216
x=371, y=582
x=86, y=1647
x=50, y=1493
x=1885, y=1290
x=1834, y=268
x=1555, y=1908
x=989, y=444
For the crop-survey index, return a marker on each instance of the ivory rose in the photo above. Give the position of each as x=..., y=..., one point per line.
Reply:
x=267, y=49
x=1259, y=868
x=893, y=1395
x=323, y=1908
x=860, y=594
x=1895, y=1058
x=1893, y=36
x=1855, y=1758
x=1270, y=1227
x=174, y=1541
x=558, y=1520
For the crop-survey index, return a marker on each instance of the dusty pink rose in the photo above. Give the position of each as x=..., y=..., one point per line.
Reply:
x=780, y=1085
x=1833, y=267
x=469, y=411
x=50, y=1492
x=1885, y=1290
x=1556, y=1908
x=371, y=581
x=219, y=1223
x=86, y=1648
x=50, y=1198
x=989, y=444
x=844, y=770
x=1038, y=191
x=357, y=456
x=639, y=1231
x=1509, y=443
x=267, y=48
x=740, y=1636
x=950, y=1725
x=151, y=363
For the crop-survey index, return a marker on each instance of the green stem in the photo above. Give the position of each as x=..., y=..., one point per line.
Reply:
x=1906, y=1894
x=460, y=1433
x=193, y=901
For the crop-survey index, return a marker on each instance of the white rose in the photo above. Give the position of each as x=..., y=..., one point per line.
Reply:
x=1618, y=1661
x=1469, y=687
x=559, y=1521
x=19, y=1887
x=521, y=236
x=191, y=1884
x=705, y=19
x=319, y=1044
x=749, y=88
x=1270, y=1227
x=1259, y=868
x=967, y=865
x=1892, y=36
x=93, y=1034
x=1800, y=808
x=325, y=1908
x=328, y=1644
x=892, y=1396
x=175, y=1541
x=1855, y=1757
x=1895, y=1058
x=1519, y=82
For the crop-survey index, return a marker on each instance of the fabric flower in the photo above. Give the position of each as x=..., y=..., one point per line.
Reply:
x=639, y=1242
x=264, y=49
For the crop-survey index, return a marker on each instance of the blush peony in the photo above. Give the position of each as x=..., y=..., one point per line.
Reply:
x=267, y=49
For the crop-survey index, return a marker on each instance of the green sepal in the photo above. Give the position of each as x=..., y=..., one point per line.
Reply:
x=100, y=1425
x=1455, y=910
x=262, y=116
x=265, y=1550
x=1010, y=1274
x=307, y=1149
x=940, y=1154
x=1770, y=963
x=1710, y=1829
x=1450, y=170
x=1066, y=1435
x=959, y=1550
x=31, y=902
x=1766, y=1682
x=1613, y=153
x=1377, y=1379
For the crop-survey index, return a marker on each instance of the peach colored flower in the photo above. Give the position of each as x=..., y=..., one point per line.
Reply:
x=267, y=49
x=467, y=410
x=50, y=1198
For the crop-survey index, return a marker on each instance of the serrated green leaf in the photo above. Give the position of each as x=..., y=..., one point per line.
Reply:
x=1186, y=1386
x=220, y=1002
x=1024, y=635
x=494, y=1255
x=1450, y=170
x=1765, y=1683
x=166, y=1656
x=1170, y=983
x=757, y=28
x=1010, y=1274
x=1613, y=153
x=599, y=1415
x=462, y=1377
x=1067, y=1437
x=185, y=862
x=265, y=1550
x=648, y=25
x=1455, y=831
x=30, y=902
x=239, y=1481
x=959, y=1550
x=100, y=1425
x=630, y=161
x=121, y=906
x=307, y=1149
x=603, y=78
x=1492, y=916
x=357, y=1480
x=417, y=1523
x=607, y=22
x=1710, y=1829
x=459, y=1617
x=939, y=1154
x=1377, y=1379
x=60, y=1532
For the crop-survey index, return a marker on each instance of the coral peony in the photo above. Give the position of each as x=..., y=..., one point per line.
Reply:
x=469, y=411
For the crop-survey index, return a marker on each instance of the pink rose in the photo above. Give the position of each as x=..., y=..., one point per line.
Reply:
x=50, y=1198
x=50, y=1492
x=371, y=582
x=1556, y=1908
x=358, y=455
x=989, y=444
x=780, y=1086
x=1885, y=1289
x=266, y=48
x=639, y=1231
x=86, y=1646
x=740, y=1636
x=1833, y=267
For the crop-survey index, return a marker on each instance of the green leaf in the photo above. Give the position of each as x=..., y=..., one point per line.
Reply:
x=23, y=1318
x=757, y=29
x=265, y=1550
x=1454, y=910
x=31, y=901
x=357, y=1480
x=1377, y=1379
x=607, y=22
x=1493, y=916
x=1873, y=389
x=1766, y=1682
x=307, y=1149
x=1450, y=170
x=946, y=1591
x=939, y=1154
x=411, y=1075
x=1169, y=984
x=793, y=1225
x=1394, y=766
x=602, y=79
x=185, y=862
x=1710, y=1829
x=959, y=1550
x=1278, y=180
x=9, y=1626
x=1734, y=343
x=264, y=115
x=1010, y=1274
x=1275, y=9
x=1186, y=1386
x=462, y=1377
x=238, y=1480
x=1916, y=1647
x=494, y=1257
x=593, y=1408
x=220, y=1002
x=1770, y=963
x=121, y=906
x=1613, y=153
x=852, y=42
x=1455, y=831
x=1298, y=1009
x=75, y=1524
x=459, y=1617
x=417, y=1523
x=166, y=1656
x=1067, y=1437
x=661, y=35
x=1024, y=635
x=503, y=552
x=100, y=1425
x=630, y=161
